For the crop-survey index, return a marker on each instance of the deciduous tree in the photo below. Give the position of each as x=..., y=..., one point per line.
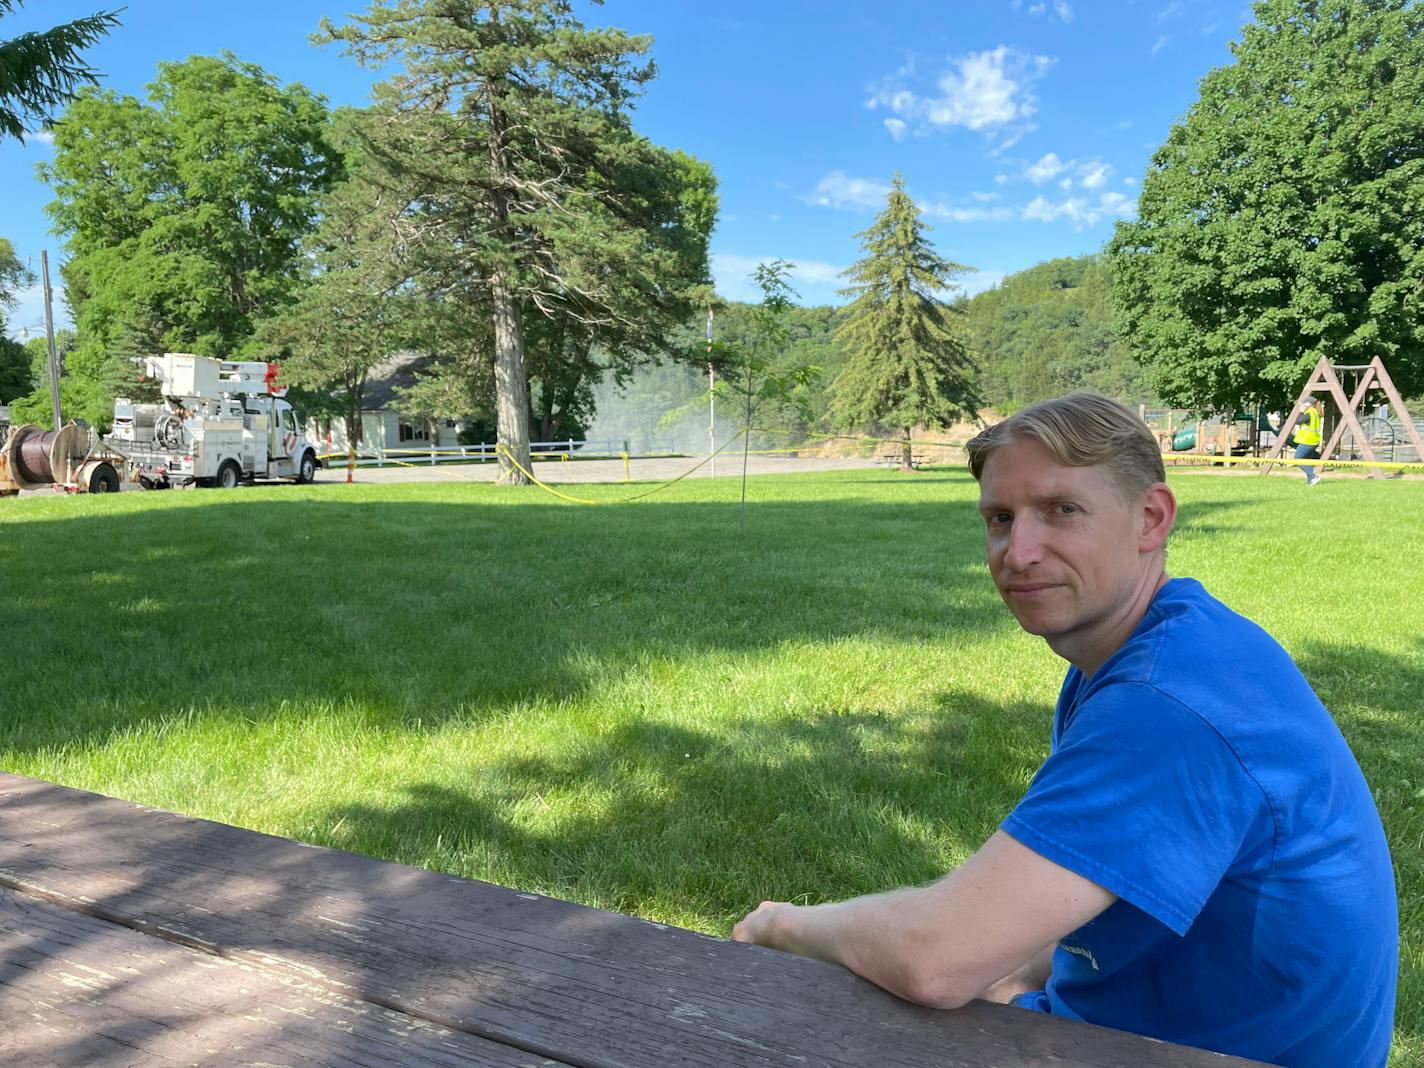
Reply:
x=358, y=308
x=909, y=364
x=1280, y=221
x=183, y=215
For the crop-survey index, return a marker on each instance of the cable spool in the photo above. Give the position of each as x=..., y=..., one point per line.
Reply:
x=36, y=458
x=31, y=455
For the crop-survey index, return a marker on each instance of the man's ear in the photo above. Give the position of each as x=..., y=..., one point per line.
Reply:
x=1158, y=512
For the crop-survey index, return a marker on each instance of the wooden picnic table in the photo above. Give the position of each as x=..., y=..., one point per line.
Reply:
x=135, y=937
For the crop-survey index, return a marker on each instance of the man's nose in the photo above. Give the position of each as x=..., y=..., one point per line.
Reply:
x=1025, y=544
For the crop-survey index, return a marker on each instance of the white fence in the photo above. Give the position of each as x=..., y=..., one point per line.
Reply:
x=410, y=453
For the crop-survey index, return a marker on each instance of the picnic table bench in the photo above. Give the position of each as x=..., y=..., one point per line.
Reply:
x=131, y=936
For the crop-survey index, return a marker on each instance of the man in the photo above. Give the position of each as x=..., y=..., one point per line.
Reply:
x=1199, y=859
x=1307, y=438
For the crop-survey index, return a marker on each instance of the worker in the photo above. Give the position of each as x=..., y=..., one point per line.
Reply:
x=1307, y=437
x=1199, y=859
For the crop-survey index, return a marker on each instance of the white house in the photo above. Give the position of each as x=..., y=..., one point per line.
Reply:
x=382, y=427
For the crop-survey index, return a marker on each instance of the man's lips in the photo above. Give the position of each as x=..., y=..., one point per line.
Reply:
x=1026, y=589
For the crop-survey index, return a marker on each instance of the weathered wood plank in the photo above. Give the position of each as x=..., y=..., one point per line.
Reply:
x=583, y=986
x=80, y=991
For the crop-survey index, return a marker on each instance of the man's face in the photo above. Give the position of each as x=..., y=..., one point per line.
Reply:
x=1063, y=546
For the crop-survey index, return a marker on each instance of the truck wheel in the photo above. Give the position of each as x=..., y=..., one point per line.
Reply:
x=307, y=471
x=229, y=475
x=104, y=480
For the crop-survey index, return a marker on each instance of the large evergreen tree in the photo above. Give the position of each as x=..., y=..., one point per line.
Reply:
x=39, y=71
x=508, y=133
x=1280, y=221
x=909, y=364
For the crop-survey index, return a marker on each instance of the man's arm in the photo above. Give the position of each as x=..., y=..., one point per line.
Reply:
x=944, y=944
x=1031, y=976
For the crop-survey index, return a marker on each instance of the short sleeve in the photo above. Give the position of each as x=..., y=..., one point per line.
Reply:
x=1144, y=798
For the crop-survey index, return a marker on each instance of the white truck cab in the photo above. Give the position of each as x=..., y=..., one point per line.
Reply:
x=221, y=423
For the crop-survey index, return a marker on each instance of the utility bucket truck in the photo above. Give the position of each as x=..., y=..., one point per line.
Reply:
x=220, y=423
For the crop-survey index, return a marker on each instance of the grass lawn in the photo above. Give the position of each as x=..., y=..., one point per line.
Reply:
x=642, y=708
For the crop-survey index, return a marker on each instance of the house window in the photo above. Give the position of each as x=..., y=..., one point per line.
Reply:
x=413, y=433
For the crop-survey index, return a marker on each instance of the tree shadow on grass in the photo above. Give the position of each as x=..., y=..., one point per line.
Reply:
x=678, y=824
x=411, y=610
x=1375, y=697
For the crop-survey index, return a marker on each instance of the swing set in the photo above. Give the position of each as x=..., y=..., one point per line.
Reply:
x=1325, y=379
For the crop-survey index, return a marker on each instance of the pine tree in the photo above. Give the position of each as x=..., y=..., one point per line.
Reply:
x=909, y=365
x=39, y=71
x=507, y=131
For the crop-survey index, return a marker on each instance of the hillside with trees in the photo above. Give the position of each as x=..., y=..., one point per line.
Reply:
x=1048, y=330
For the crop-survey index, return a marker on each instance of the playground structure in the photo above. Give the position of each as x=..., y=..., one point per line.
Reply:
x=1359, y=428
x=1371, y=376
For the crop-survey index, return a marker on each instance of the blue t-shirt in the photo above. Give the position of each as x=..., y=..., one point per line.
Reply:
x=1197, y=776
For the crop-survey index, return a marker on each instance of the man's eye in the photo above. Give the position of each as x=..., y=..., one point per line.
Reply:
x=997, y=518
x=1065, y=509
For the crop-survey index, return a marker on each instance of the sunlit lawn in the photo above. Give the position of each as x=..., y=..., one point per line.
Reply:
x=641, y=707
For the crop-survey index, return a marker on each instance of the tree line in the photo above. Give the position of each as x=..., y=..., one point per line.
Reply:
x=495, y=208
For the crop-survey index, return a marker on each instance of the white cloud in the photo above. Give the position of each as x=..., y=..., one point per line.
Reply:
x=980, y=282
x=1081, y=211
x=1041, y=7
x=39, y=137
x=25, y=319
x=729, y=266
x=980, y=91
x=1171, y=11
x=1048, y=167
x=1161, y=43
x=1001, y=178
x=966, y=215
x=775, y=216
x=1095, y=175
x=1129, y=181
x=1089, y=173
x=815, y=280
x=896, y=127
x=839, y=190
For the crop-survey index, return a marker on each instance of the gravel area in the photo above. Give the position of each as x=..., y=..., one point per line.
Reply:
x=557, y=471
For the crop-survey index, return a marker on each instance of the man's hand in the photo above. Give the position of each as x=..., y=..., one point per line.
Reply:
x=980, y=927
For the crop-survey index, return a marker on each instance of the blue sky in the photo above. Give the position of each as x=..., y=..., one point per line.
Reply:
x=1022, y=127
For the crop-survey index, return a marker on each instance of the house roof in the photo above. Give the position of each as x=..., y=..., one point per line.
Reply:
x=396, y=371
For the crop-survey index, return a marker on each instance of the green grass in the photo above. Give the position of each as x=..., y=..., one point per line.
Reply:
x=639, y=707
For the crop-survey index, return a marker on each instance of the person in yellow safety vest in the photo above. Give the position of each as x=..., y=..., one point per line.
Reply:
x=1307, y=438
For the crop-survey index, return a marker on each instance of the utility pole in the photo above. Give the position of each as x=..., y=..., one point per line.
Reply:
x=711, y=401
x=49, y=333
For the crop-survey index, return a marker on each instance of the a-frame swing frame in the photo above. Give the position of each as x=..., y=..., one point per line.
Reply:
x=1324, y=380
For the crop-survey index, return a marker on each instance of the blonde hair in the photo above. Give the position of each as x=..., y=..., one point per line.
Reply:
x=1082, y=430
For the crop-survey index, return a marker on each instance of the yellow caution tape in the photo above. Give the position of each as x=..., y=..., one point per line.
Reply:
x=622, y=500
x=1210, y=458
